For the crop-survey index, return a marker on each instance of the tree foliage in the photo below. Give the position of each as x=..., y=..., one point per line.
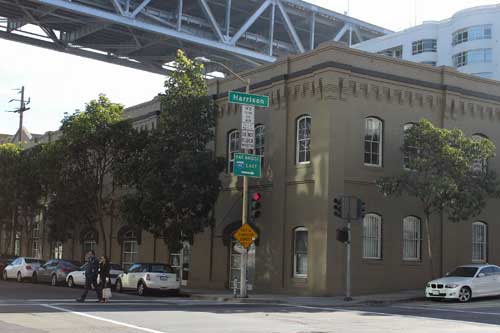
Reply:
x=172, y=173
x=447, y=173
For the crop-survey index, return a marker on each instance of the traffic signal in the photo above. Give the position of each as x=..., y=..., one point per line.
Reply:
x=361, y=209
x=337, y=207
x=255, y=205
x=342, y=235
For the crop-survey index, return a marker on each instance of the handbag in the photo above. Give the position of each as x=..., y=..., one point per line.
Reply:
x=106, y=293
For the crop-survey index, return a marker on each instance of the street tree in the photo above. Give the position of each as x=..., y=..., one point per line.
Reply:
x=9, y=164
x=90, y=142
x=171, y=172
x=446, y=172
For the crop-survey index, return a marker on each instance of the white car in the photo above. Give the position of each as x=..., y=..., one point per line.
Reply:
x=22, y=268
x=466, y=282
x=77, y=278
x=144, y=277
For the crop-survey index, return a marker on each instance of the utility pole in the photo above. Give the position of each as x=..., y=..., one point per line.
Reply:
x=21, y=110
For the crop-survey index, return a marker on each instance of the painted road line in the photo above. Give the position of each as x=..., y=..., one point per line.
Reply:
x=115, y=322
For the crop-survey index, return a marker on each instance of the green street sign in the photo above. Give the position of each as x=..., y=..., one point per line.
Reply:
x=247, y=165
x=236, y=97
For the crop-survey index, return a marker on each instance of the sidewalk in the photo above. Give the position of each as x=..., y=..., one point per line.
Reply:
x=337, y=301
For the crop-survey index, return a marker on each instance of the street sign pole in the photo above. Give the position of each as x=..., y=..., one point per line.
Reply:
x=244, y=254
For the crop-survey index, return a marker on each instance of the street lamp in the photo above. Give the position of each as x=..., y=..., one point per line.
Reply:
x=244, y=208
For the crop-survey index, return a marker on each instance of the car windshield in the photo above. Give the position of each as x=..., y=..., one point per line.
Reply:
x=34, y=261
x=115, y=267
x=161, y=269
x=463, y=271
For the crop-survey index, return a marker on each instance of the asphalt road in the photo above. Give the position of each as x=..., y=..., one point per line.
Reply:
x=28, y=308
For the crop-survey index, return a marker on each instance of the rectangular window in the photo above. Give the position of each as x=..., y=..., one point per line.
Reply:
x=303, y=144
x=300, y=252
x=373, y=142
x=411, y=238
x=35, y=250
x=17, y=244
x=372, y=237
x=58, y=250
x=130, y=253
x=472, y=57
x=472, y=33
x=395, y=52
x=233, y=146
x=479, y=242
x=424, y=45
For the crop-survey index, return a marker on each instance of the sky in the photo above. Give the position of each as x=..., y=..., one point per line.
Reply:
x=59, y=83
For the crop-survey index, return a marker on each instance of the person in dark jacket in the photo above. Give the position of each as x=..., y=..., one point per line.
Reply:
x=91, y=277
x=104, y=275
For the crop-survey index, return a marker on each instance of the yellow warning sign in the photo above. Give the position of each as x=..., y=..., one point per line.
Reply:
x=245, y=235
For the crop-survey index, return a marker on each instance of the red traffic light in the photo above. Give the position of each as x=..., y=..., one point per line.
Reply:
x=256, y=196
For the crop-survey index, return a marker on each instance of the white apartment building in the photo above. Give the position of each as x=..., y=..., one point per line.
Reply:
x=468, y=41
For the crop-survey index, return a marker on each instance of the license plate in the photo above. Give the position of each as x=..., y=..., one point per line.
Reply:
x=164, y=278
x=435, y=292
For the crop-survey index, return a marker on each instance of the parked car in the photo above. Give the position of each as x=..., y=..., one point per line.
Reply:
x=5, y=261
x=466, y=282
x=54, y=271
x=77, y=277
x=22, y=268
x=144, y=277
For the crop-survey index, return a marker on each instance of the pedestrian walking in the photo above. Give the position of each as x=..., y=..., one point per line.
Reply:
x=91, y=273
x=104, y=279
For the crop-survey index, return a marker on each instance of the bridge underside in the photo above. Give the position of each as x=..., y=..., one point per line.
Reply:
x=145, y=34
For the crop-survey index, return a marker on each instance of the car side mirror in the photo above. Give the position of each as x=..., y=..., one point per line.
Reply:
x=480, y=275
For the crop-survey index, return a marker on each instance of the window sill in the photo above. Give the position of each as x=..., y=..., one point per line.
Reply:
x=409, y=262
x=373, y=166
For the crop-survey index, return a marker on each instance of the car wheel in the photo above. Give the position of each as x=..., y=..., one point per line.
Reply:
x=141, y=289
x=119, y=287
x=71, y=283
x=5, y=276
x=34, y=278
x=19, y=277
x=464, y=295
x=53, y=281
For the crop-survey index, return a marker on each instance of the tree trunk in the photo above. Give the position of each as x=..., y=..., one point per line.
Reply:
x=429, y=244
x=12, y=233
x=103, y=233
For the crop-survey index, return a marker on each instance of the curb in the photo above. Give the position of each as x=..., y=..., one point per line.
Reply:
x=250, y=300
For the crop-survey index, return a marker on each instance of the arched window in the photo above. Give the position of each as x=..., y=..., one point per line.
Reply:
x=479, y=242
x=130, y=249
x=303, y=144
x=233, y=146
x=373, y=141
x=479, y=165
x=259, y=140
x=300, y=245
x=412, y=238
x=372, y=236
x=410, y=152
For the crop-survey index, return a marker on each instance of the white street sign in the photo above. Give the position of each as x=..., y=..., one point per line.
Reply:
x=247, y=117
x=247, y=139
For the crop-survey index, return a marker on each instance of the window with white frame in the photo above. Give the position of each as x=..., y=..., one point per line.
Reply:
x=472, y=33
x=35, y=249
x=424, y=45
x=233, y=146
x=472, y=57
x=479, y=242
x=260, y=141
x=36, y=230
x=17, y=244
x=373, y=141
x=303, y=149
x=300, y=244
x=130, y=249
x=372, y=236
x=89, y=241
x=411, y=238
x=410, y=152
x=58, y=250
x=479, y=165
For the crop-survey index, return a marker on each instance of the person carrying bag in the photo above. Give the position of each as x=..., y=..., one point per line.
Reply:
x=104, y=276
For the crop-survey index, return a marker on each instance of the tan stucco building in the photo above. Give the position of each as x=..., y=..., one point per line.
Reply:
x=335, y=124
